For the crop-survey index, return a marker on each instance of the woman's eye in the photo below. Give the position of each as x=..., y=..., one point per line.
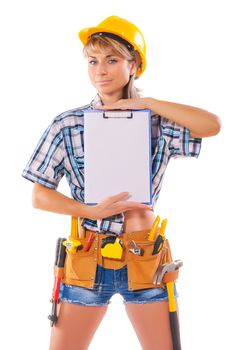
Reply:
x=112, y=60
x=92, y=62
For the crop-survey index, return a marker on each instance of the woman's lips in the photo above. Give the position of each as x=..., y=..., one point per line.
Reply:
x=102, y=82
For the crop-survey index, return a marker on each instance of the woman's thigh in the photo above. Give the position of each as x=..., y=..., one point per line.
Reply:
x=76, y=326
x=151, y=324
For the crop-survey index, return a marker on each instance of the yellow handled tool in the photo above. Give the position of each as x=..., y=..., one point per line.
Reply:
x=163, y=227
x=74, y=227
x=173, y=317
x=171, y=296
x=161, y=237
x=153, y=231
x=73, y=243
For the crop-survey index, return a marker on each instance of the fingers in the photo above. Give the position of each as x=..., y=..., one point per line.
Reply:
x=120, y=104
x=116, y=204
x=104, y=108
x=120, y=196
x=107, y=107
x=121, y=199
x=130, y=205
x=124, y=104
x=116, y=197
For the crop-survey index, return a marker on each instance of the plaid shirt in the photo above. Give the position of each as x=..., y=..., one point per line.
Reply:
x=60, y=151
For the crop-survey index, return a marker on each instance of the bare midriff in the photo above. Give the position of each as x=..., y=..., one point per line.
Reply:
x=137, y=220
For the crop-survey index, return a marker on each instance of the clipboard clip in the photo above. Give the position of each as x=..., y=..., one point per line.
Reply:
x=116, y=114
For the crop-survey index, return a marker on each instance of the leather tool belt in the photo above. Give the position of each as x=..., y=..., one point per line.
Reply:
x=80, y=267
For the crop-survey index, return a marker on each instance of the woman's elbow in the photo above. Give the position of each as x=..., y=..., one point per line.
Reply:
x=35, y=198
x=217, y=124
x=38, y=196
x=211, y=128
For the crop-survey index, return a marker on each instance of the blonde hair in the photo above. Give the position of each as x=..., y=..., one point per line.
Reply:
x=102, y=43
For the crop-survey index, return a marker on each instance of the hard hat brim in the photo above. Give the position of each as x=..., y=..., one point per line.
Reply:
x=86, y=33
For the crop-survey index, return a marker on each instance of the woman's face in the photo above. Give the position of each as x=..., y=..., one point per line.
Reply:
x=109, y=73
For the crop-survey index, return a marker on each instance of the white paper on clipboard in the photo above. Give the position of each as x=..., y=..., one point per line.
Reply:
x=117, y=155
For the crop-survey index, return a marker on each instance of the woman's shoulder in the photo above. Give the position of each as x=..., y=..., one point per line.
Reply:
x=75, y=112
x=71, y=117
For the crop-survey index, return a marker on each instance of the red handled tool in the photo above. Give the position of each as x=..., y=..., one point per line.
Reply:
x=89, y=241
x=58, y=274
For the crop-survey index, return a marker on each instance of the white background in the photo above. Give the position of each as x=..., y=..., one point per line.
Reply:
x=42, y=74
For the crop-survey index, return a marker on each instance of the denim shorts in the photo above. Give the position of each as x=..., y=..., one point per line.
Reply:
x=109, y=282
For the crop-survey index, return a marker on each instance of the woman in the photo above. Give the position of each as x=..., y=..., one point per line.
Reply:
x=116, y=54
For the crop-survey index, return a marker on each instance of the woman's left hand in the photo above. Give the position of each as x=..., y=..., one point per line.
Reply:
x=124, y=104
x=200, y=122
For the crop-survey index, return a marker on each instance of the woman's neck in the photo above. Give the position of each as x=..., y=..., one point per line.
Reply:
x=109, y=99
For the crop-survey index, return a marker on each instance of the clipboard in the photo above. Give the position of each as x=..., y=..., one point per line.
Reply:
x=117, y=155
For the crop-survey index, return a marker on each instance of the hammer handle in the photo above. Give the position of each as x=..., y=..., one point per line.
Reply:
x=57, y=251
x=61, y=253
x=173, y=317
x=175, y=330
x=171, y=296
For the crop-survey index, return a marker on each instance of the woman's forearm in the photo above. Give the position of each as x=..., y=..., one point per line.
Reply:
x=201, y=123
x=54, y=201
x=51, y=200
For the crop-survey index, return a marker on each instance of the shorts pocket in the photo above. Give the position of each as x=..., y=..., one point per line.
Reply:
x=80, y=267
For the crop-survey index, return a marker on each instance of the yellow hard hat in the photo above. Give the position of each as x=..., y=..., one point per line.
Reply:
x=123, y=29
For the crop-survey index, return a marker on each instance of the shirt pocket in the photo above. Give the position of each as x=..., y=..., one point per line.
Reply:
x=76, y=146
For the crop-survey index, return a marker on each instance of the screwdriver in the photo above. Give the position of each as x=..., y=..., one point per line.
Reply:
x=89, y=241
x=160, y=239
x=153, y=230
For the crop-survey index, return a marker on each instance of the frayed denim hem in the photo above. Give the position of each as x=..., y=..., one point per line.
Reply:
x=146, y=301
x=76, y=302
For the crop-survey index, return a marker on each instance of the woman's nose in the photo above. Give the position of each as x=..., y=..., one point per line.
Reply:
x=101, y=68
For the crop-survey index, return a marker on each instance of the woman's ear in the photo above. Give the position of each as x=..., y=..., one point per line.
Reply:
x=133, y=68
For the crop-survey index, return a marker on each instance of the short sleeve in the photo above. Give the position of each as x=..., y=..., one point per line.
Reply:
x=178, y=140
x=46, y=165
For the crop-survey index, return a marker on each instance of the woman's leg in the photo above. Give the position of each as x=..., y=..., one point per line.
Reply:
x=76, y=326
x=151, y=324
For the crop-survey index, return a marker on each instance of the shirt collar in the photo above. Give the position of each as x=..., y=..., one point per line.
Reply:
x=96, y=101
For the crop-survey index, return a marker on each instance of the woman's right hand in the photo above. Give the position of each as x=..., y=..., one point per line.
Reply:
x=113, y=205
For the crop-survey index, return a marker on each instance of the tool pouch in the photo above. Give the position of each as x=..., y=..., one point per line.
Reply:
x=142, y=269
x=80, y=267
